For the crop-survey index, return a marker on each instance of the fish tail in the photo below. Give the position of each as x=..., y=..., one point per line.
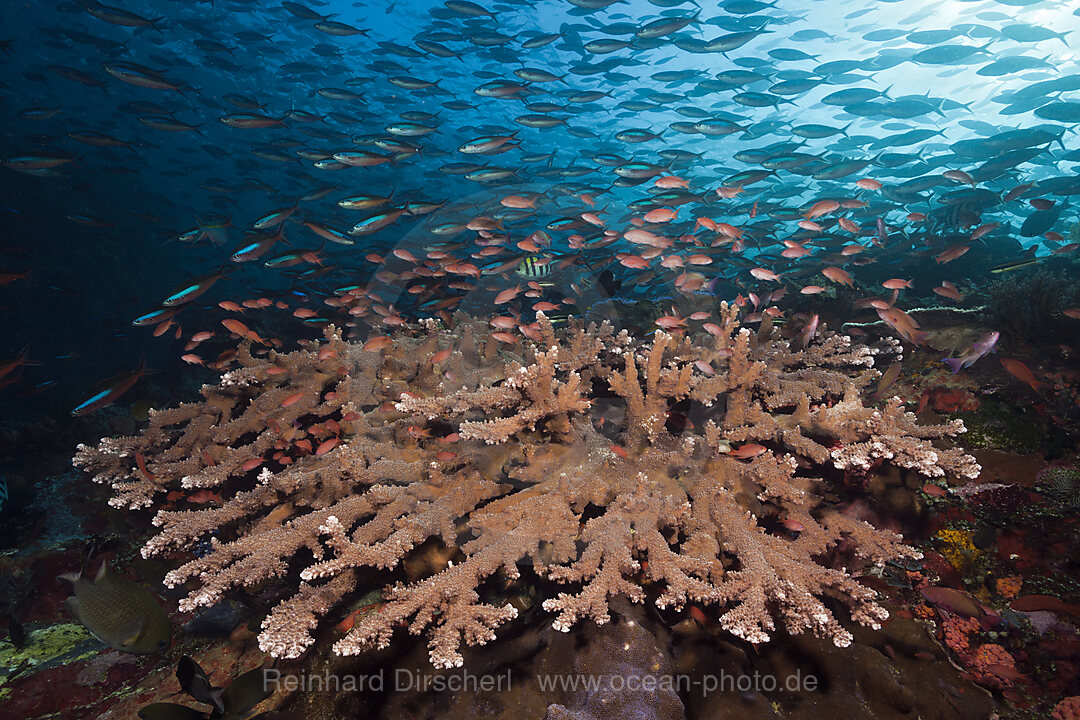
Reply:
x=919, y=337
x=24, y=356
x=955, y=363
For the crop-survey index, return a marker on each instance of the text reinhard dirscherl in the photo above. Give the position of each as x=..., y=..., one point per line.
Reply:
x=404, y=680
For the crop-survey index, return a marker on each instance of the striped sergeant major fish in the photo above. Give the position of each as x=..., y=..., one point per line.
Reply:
x=534, y=268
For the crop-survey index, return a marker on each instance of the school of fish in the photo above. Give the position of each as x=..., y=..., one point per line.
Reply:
x=368, y=164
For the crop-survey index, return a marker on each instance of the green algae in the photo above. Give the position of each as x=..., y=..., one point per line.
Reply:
x=47, y=647
x=1003, y=426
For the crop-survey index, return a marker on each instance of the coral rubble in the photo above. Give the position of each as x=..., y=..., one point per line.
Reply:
x=333, y=460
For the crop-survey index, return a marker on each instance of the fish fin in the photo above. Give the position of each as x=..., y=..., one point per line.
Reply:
x=216, y=699
x=132, y=632
x=103, y=572
x=73, y=606
x=955, y=363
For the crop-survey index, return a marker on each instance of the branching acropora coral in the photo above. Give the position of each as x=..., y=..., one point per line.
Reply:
x=558, y=458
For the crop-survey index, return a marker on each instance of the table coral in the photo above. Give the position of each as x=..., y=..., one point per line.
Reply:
x=332, y=460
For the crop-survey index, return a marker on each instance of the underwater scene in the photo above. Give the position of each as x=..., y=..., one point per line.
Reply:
x=540, y=359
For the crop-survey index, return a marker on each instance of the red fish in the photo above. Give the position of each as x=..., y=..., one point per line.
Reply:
x=1037, y=603
x=23, y=358
x=670, y=322
x=507, y=295
x=204, y=496
x=849, y=225
x=951, y=253
x=809, y=330
x=660, y=215
x=820, y=208
x=947, y=289
x=1021, y=372
x=327, y=445
x=887, y=379
x=903, y=324
x=745, y=452
x=764, y=274
x=837, y=275
x=378, y=343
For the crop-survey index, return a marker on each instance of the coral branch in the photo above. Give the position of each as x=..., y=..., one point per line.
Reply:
x=335, y=464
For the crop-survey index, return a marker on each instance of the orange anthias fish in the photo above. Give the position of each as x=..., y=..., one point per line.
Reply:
x=670, y=322
x=22, y=359
x=951, y=253
x=10, y=277
x=820, y=208
x=837, y=275
x=1021, y=372
x=887, y=379
x=947, y=289
x=239, y=328
x=660, y=215
x=745, y=452
x=764, y=274
x=903, y=324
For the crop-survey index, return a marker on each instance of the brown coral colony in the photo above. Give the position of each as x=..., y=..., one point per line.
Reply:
x=565, y=456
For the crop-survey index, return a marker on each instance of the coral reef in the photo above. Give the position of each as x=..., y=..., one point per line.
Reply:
x=1061, y=483
x=322, y=467
x=1027, y=306
x=1067, y=709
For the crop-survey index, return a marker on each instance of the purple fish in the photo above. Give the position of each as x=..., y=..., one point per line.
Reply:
x=982, y=346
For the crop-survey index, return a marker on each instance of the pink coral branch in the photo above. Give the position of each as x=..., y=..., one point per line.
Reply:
x=334, y=464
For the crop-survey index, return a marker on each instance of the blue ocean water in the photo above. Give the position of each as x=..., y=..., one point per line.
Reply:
x=143, y=143
x=180, y=174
